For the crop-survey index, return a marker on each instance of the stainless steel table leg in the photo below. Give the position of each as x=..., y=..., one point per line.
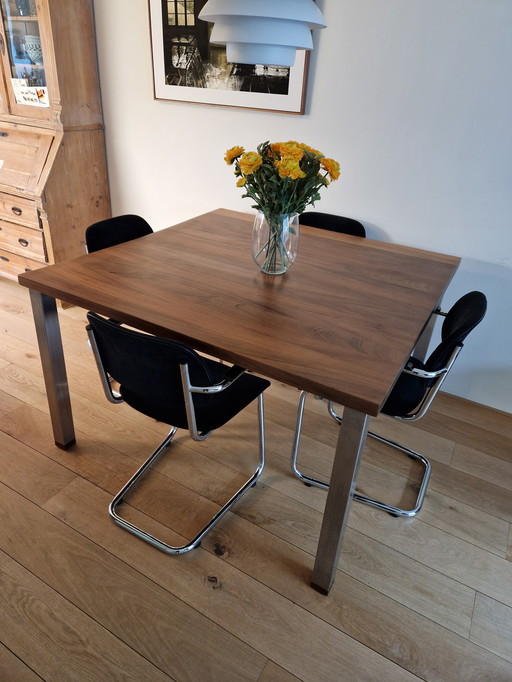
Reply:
x=49, y=339
x=339, y=498
x=421, y=348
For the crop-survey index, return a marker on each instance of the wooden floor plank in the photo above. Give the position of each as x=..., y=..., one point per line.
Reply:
x=440, y=598
x=412, y=641
x=463, y=520
x=294, y=639
x=478, y=434
x=450, y=556
x=472, y=491
x=52, y=636
x=13, y=668
x=184, y=645
x=486, y=467
x=274, y=673
x=466, y=522
x=29, y=473
x=492, y=420
x=90, y=458
x=8, y=402
x=492, y=626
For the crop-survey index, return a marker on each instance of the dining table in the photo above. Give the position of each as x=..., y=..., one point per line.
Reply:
x=341, y=323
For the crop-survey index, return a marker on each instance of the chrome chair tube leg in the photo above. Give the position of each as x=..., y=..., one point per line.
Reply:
x=397, y=511
x=160, y=544
x=307, y=480
x=390, y=509
x=248, y=484
x=132, y=528
x=332, y=412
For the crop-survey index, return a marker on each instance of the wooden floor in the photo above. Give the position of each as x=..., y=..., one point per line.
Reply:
x=82, y=599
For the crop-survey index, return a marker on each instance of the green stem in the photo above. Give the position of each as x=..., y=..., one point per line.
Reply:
x=274, y=247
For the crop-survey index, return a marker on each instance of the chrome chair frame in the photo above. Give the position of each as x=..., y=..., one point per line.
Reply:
x=419, y=412
x=188, y=389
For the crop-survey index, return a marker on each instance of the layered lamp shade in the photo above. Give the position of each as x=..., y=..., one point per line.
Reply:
x=264, y=32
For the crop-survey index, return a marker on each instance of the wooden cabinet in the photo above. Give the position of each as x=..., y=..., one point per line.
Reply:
x=53, y=172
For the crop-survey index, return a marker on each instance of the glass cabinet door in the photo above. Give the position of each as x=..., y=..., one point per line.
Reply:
x=23, y=55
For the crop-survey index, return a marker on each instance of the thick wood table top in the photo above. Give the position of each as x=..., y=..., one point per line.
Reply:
x=341, y=323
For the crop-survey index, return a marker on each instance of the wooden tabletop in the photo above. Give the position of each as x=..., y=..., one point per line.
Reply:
x=340, y=323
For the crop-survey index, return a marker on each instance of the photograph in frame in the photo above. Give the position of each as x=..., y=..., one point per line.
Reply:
x=188, y=68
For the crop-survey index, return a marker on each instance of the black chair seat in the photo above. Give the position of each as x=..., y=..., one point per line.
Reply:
x=211, y=412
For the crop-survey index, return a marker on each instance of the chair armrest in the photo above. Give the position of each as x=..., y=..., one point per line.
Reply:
x=417, y=372
x=423, y=374
x=232, y=374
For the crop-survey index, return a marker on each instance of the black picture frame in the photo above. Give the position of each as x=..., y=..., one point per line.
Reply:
x=188, y=68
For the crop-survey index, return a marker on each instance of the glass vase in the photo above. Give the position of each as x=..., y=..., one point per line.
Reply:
x=275, y=242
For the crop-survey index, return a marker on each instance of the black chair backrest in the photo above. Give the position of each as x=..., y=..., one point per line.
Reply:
x=117, y=230
x=334, y=223
x=461, y=319
x=148, y=369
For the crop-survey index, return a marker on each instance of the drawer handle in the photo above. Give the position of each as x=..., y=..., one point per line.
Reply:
x=2, y=132
x=23, y=242
x=16, y=210
x=4, y=258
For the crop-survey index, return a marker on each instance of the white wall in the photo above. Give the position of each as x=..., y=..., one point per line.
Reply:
x=412, y=97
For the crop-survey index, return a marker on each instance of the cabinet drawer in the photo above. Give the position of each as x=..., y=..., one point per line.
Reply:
x=22, y=240
x=12, y=265
x=19, y=210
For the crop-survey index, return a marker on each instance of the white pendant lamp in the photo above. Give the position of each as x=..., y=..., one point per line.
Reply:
x=264, y=32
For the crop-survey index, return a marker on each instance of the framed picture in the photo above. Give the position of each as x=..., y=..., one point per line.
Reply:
x=188, y=68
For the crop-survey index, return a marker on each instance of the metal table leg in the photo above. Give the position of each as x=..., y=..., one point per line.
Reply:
x=46, y=319
x=347, y=458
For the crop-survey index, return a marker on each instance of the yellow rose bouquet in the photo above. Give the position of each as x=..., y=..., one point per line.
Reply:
x=282, y=178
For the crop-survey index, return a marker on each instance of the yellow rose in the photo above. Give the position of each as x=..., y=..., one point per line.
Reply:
x=241, y=182
x=289, y=168
x=292, y=151
x=276, y=147
x=250, y=162
x=311, y=150
x=233, y=154
x=332, y=167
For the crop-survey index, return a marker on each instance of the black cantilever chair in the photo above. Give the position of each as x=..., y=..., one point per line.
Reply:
x=116, y=230
x=333, y=223
x=171, y=383
x=413, y=393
